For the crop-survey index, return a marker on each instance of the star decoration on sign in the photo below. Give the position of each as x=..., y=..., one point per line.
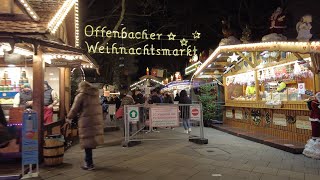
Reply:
x=196, y=35
x=184, y=42
x=171, y=36
x=234, y=57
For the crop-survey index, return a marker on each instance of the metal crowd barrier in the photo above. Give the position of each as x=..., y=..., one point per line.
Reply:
x=145, y=122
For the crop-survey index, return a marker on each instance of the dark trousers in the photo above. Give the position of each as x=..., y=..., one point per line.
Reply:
x=315, y=125
x=88, y=156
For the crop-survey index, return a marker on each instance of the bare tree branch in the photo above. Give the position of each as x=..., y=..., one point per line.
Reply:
x=123, y=10
x=91, y=3
x=104, y=17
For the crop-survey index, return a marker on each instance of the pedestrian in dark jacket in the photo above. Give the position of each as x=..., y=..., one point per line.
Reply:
x=167, y=98
x=177, y=98
x=155, y=99
x=185, y=111
x=138, y=98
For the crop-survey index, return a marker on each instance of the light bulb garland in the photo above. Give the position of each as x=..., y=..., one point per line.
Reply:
x=76, y=18
x=58, y=18
x=29, y=10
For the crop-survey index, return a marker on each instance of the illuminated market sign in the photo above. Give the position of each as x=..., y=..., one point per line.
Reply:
x=147, y=49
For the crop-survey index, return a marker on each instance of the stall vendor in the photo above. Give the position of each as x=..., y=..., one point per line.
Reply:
x=24, y=97
x=281, y=86
x=251, y=89
x=50, y=100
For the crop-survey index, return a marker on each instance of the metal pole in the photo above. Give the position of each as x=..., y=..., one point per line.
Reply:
x=201, y=123
x=126, y=138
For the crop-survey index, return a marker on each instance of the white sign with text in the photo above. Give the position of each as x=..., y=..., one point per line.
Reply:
x=164, y=116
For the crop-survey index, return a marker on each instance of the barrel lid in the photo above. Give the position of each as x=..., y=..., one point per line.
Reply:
x=53, y=136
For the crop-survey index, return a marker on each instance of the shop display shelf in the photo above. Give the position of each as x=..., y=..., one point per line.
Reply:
x=7, y=94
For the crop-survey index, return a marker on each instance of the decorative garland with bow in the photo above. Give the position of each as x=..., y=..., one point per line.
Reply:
x=256, y=116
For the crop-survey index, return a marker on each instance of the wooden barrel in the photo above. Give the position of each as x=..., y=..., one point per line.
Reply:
x=53, y=150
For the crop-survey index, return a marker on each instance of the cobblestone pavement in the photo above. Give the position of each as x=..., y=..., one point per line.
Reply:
x=225, y=157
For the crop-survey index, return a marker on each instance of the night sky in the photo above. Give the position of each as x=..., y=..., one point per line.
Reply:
x=184, y=17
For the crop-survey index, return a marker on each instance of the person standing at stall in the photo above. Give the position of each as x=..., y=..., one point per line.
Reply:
x=50, y=100
x=185, y=111
x=24, y=97
x=90, y=124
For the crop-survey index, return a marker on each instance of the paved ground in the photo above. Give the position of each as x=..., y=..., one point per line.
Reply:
x=225, y=157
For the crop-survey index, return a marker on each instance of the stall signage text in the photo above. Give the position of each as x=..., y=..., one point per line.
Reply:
x=279, y=119
x=303, y=122
x=238, y=114
x=229, y=114
x=147, y=49
x=133, y=114
x=195, y=112
x=164, y=116
x=29, y=139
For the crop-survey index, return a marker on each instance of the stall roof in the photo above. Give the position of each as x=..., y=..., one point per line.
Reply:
x=35, y=22
x=23, y=22
x=222, y=58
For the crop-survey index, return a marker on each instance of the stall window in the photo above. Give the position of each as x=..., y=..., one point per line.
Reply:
x=241, y=87
x=287, y=82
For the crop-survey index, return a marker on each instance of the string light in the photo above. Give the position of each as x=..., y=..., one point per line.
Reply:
x=156, y=81
x=29, y=9
x=69, y=57
x=302, y=47
x=17, y=50
x=58, y=18
x=139, y=82
x=76, y=18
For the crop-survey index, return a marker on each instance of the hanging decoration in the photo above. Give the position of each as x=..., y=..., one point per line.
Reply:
x=256, y=116
x=268, y=118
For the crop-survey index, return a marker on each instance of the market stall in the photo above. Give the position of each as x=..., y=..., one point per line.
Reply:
x=146, y=82
x=267, y=86
x=175, y=87
x=39, y=41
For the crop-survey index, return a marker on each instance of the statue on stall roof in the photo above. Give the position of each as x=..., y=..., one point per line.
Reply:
x=303, y=28
x=246, y=35
x=277, y=21
x=277, y=26
x=228, y=34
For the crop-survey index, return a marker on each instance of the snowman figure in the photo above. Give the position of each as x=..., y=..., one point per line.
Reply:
x=303, y=28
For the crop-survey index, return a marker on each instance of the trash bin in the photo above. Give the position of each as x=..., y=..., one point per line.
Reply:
x=53, y=150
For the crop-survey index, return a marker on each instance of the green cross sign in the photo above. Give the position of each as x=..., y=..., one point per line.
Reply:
x=133, y=114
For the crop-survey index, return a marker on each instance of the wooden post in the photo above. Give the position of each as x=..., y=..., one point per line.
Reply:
x=38, y=96
x=317, y=83
x=62, y=107
x=257, y=85
x=67, y=89
x=225, y=88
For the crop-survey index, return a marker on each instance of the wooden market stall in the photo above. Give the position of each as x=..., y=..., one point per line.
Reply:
x=267, y=86
x=39, y=41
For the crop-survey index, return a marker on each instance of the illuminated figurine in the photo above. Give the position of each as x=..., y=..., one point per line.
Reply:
x=281, y=86
x=246, y=35
x=277, y=20
x=228, y=34
x=303, y=28
x=277, y=26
